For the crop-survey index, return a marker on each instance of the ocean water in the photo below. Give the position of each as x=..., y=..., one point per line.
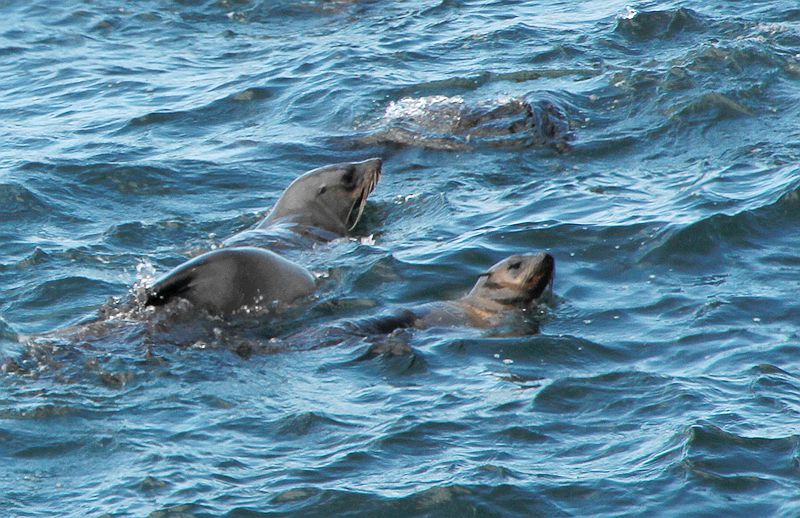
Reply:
x=664, y=381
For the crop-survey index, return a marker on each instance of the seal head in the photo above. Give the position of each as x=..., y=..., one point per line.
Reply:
x=330, y=198
x=515, y=282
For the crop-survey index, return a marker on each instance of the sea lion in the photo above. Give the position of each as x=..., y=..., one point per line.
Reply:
x=322, y=204
x=229, y=279
x=495, y=302
x=514, y=283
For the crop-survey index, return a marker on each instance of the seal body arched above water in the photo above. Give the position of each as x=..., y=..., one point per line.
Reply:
x=322, y=204
x=228, y=279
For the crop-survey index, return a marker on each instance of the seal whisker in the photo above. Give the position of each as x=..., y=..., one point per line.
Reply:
x=369, y=186
x=361, y=204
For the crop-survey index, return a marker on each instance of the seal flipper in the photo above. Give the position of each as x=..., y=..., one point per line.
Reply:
x=382, y=324
x=388, y=324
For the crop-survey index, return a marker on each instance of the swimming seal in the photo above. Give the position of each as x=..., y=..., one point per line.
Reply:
x=322, y=204
x=228, y=279
x=513, y=284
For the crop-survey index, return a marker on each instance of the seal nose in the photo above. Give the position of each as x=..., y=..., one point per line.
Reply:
x=547, y=265
x=373, y=166
x=372, y=163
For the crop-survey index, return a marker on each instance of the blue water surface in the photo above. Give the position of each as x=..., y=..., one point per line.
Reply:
x=665, y=380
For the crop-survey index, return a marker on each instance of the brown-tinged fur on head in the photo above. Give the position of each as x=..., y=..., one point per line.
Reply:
x=514, y=282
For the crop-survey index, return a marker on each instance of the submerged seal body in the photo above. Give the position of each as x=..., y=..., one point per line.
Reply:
x=228, y=279
x=441, y=122
x=322, y=204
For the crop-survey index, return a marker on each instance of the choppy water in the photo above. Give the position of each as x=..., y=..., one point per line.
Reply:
x=665, y=379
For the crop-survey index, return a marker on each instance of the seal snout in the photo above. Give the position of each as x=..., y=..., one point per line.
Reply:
x=547, y=262
x=372, y=169
x=543, y=273
x=374, y=162
x=369, y=172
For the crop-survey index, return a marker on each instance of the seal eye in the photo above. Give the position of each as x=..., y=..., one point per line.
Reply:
x=322, y=189
x=515, y=266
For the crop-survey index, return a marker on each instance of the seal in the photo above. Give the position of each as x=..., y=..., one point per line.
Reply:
x=501, y=293
x=229, y=279
x=513, y=284
x=322, y=204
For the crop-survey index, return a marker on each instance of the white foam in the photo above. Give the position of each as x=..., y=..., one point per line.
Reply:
x=413, y=108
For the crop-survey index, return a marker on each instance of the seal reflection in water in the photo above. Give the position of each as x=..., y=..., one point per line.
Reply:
x=323, y=204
